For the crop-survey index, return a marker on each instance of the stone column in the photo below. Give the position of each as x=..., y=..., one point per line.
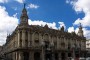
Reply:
x=23, y=38
x=48, y=37
x=15, y=41
x=13, y=56
x=43, y=54
x=18, y=39
x=58, y=43
x=28, y=39
x=40, y=38
x=16, y=57
x=33, y=40
x=20, y=56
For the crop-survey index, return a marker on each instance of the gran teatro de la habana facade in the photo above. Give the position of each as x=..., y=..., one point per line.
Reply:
x=34, y=42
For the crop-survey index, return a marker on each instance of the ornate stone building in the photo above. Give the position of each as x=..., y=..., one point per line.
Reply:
x=33, y=42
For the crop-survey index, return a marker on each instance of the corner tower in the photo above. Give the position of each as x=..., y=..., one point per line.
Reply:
x=24, y=17
x=80, y=32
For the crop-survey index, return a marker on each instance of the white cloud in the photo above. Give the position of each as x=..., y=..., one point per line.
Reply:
x=61, y=24
x=20, y=1
x=50, y=25
x=4, y=1
x=82, y=6
x=7, y=24
x=67, y=1
x=71, y=29
x=15, y=15
x=33, y=6
x=42, y=23
x=86, y=32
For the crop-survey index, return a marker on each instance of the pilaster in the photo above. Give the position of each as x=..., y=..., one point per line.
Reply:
x=43, y=54
x=40, y=38
x=33, y=39
x=57, y=43
x=23, y=38
x=18, y=38
x=13, y=56
x=16, y=55
x=28, y=39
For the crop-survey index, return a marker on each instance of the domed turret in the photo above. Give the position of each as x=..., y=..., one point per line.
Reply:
x=80, y=32
x=24, y=17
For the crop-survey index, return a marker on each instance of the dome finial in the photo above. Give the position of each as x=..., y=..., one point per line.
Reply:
x=24, y=16
x=80, y=26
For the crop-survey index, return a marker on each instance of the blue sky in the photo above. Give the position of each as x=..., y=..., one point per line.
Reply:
x=54, y=13
x=48, y=11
